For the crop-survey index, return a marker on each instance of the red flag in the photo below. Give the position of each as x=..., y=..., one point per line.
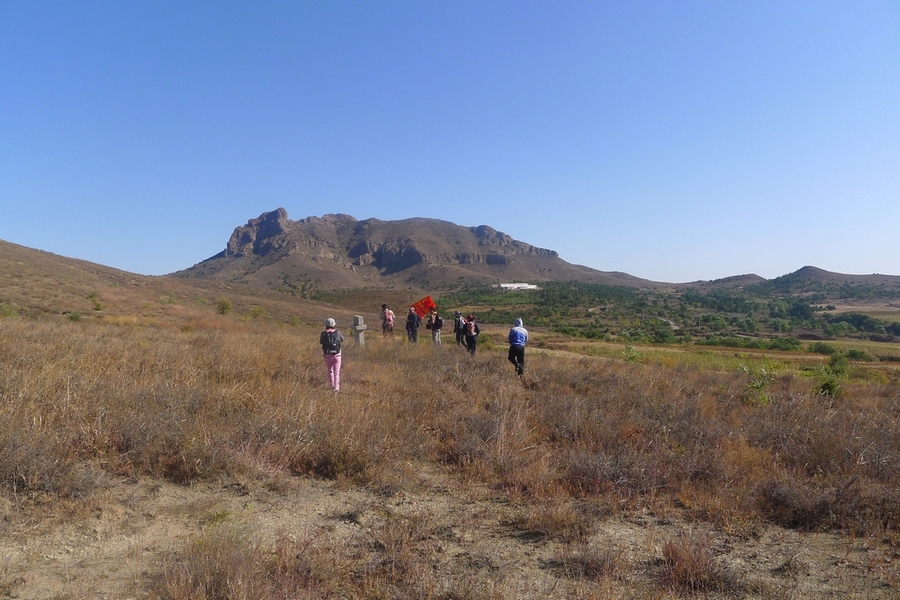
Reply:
x=424, y=306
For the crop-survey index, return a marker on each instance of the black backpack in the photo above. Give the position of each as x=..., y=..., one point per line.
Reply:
x=438, y=322
x=331, y=343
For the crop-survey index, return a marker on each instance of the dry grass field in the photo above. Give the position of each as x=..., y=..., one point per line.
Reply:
x=153, y=446
x=208, y=459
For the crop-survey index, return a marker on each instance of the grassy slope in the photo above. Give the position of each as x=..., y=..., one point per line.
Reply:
x=156, y=385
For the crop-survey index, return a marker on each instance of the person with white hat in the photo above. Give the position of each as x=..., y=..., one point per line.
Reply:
x=331, y=340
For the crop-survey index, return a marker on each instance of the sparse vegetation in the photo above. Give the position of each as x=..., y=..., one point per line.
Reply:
x=585, y=438
x=617, y=467
x=757, y=317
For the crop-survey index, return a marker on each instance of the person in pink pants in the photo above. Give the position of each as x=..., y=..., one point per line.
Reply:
x=331, y=340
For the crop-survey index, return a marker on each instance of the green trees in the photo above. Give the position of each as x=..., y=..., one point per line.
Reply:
x=732, y=316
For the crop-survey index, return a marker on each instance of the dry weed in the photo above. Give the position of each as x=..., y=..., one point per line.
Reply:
x=689, y=565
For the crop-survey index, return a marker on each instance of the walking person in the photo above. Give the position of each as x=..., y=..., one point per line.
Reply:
x=459, y=328
x=518, y=337
x=387, y=321
x=331, y=340
x=472, y=331
x=434, y=324
x=413, y=322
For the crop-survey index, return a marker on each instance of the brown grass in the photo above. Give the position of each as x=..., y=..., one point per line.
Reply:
x=689, y=565
x=577, y=440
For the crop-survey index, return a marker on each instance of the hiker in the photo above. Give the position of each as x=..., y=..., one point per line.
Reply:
x=413, y=322
x=459, y=328
x=434, y=323
x=331, y=340
x=472, y=331
x=387, y=321
x=518, y=337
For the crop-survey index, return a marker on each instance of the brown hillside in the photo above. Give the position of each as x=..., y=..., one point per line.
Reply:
x=41, y=284
x=340, y=252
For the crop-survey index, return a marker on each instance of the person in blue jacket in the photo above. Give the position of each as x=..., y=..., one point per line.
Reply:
x=518, y=337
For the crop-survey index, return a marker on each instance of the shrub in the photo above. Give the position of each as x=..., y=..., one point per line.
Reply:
x=689, y=565
x=759, y=379
x=838, y=364
x=856, y=354
x=822, y=348
x=7, y=310
x=828, y=386
x=593, y=561
x=223, y=306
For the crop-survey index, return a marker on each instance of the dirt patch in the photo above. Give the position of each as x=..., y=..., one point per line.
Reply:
x=108, y=546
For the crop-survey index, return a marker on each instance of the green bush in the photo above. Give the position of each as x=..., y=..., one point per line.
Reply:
x=822, y=348
x=838, y=364
x=855, y=354
x=6, y=310
x=223, y=306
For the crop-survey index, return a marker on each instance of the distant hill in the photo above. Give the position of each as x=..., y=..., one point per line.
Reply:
x=341, y=252
x=819, y=285
x=807, y=282
x=735, y=282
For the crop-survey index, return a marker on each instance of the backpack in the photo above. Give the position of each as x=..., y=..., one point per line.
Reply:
x=389, y=317
x=331, y=344
x=438, y=322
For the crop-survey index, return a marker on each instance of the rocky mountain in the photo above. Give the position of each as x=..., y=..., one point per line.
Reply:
x=340, y=252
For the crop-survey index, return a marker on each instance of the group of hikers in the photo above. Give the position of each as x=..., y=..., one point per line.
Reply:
x=465, y=330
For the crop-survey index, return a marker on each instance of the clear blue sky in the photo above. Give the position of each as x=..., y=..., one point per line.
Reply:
x=672, y=140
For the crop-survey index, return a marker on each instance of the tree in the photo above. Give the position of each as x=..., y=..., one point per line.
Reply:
x=223, y=306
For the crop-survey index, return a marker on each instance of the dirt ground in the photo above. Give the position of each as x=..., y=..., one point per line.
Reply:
x=107, y=546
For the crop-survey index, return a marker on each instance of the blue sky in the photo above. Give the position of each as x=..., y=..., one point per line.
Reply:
x=674, y=141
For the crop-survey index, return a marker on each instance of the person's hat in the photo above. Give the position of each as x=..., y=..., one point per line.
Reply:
x=470, y=318
x=456, y=313
x=329, y=322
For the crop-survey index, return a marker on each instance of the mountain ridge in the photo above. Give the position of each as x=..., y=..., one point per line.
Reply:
x=339, y=251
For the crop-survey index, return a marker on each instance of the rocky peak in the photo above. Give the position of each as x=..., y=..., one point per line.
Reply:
x=259, y=235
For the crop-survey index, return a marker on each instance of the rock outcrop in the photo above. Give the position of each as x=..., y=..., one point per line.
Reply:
x=258, y=236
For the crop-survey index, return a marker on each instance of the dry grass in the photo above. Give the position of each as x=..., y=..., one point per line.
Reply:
x=575, y=441
x=689, y=565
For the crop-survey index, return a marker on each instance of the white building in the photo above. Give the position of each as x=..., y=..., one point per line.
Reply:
x=517, y=286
